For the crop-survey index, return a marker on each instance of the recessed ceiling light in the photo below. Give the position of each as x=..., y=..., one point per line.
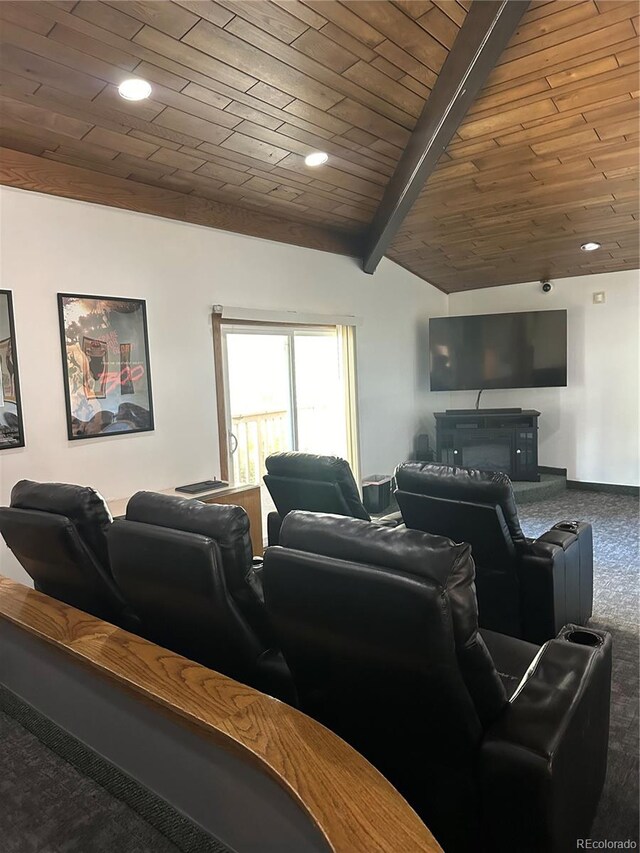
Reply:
x=316, y=159
x=590, y=247
x=134, y=89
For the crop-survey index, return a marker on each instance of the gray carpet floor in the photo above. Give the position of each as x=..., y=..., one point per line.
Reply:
x=615, y=523
x=47, y=806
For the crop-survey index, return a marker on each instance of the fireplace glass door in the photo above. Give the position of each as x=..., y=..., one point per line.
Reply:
x=492, y=452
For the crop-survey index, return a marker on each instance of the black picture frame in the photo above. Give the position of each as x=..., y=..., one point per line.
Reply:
x=11, y=434
x=98, y=415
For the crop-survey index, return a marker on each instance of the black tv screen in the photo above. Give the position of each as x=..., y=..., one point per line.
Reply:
x=522, y=350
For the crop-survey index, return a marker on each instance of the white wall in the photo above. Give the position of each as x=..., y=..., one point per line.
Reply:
x=50, y=245
x=591, y=427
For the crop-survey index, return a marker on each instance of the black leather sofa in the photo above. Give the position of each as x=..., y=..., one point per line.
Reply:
x=186, y=568
x=58, y=533
x=526, y=588
x=500, y=745
x=305, y=481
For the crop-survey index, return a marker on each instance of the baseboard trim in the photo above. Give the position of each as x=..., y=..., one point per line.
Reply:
x=546, y=469
x=611, y=488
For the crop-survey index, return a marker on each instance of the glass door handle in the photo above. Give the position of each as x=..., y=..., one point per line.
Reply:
x=233, y=443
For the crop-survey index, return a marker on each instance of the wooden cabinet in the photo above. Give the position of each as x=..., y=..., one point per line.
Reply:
x=248, y=497
x=490, y=439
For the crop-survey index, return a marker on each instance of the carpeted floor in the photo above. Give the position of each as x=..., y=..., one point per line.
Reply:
x=616, y=608
x=47, y=806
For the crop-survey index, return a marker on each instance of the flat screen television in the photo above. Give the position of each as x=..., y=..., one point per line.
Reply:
x=526, y=349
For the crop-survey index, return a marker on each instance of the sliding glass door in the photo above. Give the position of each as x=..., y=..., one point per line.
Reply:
x=318, y=386
x=260, y=407
x=286, y=388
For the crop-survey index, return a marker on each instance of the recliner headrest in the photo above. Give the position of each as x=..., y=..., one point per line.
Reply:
x=84, y=506
x=354, y=540
x=217, y=521
x=226, y=523
x=308, y=466
x=468, y=485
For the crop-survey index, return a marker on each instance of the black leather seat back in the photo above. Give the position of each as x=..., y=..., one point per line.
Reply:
x=469, y=506
x=467, y=485
x=175, y=580
x=52, y=553
x=312, y=495
x=372, y=619
x=84, y=506
x=484, y=528
x=379, y=628
x=481, y=525
x=228, y=525
x=315, y=483
x=57, y=532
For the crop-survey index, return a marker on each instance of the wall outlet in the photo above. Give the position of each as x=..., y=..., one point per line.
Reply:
x=599, y=297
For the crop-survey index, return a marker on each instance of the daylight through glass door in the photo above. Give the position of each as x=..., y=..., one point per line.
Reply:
x=286, y=389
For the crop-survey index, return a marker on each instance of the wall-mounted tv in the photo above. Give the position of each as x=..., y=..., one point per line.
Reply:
x=526, y=349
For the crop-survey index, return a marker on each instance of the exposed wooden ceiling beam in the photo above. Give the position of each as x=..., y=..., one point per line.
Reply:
x=487, y=28
x=29, y=172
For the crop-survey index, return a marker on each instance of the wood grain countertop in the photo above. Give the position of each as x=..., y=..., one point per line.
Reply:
x=355, y=808
x=118, y=506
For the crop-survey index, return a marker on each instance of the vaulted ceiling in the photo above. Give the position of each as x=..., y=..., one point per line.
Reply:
x=546, y=159
x=243, y=90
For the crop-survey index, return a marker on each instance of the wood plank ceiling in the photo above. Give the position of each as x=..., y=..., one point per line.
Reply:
x=244, y=89
x=546, y=159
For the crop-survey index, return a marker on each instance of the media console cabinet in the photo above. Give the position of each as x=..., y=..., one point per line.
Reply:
x=494, y=439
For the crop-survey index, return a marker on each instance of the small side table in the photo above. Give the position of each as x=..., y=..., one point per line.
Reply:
x=376, y=493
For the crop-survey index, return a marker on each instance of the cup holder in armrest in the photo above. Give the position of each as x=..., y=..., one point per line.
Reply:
x=569, y=526
x=583, y=637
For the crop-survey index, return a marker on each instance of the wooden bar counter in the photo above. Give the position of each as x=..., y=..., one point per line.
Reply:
x=254, y=772
x=248, y=497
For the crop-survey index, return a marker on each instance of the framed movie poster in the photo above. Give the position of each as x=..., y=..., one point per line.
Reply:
x=11, y=428
x=105, y=358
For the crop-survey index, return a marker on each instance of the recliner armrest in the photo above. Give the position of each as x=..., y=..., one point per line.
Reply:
x=556, y=579
x=554, y=538
x=543, y=761
x=542, y=578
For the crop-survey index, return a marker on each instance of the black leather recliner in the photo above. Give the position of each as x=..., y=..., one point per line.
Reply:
x=186, y=567
x=58, y=533
x=498, y=749
x=525, y=588
x=315, y=483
